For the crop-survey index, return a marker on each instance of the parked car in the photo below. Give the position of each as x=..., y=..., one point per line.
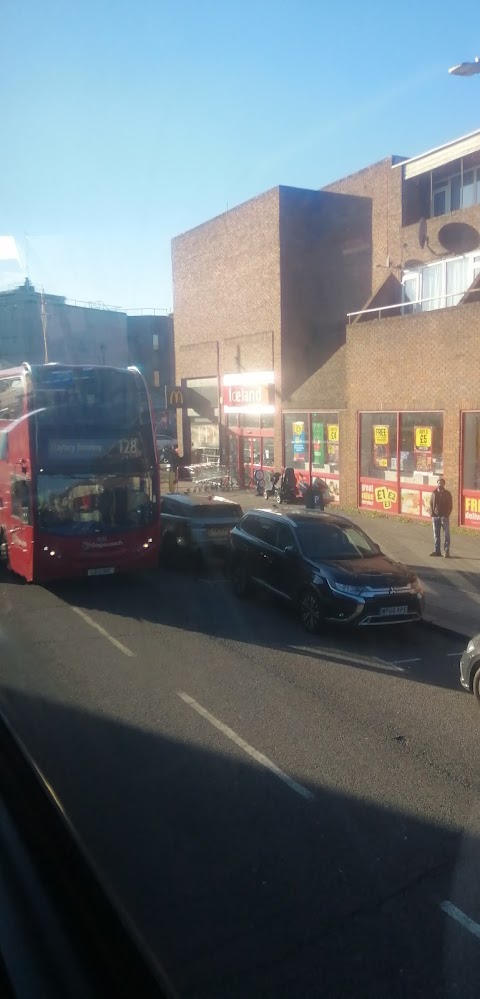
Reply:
x=326, y=565
x=196, y=525
x=470, y=667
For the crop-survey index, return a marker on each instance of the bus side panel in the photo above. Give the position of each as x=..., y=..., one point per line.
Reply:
x=16, y=514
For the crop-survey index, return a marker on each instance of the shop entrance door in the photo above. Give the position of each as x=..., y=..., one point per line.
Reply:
x=250, y=449
x=251, y=458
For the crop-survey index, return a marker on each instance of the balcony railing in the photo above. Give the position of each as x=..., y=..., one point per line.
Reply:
x=408, y=308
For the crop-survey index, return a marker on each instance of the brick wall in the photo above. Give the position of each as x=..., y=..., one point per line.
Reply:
x=382, y=182
x=441, y=241
x=325, y=272
x=226, y=278
x=426, y=361
x=383, y=186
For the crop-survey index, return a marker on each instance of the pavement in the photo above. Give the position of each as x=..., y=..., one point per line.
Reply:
x=452, y=586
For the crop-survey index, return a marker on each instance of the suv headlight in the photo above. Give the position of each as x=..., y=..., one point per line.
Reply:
x=346, y=588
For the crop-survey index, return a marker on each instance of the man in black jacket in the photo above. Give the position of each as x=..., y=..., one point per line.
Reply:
x=440, y=510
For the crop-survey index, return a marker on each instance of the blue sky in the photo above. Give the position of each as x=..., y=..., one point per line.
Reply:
x=128, y=123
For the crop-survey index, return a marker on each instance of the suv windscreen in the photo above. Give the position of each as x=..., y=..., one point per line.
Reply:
x=332, y=541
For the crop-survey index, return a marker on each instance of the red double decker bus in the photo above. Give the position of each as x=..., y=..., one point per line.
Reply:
x=79, y=485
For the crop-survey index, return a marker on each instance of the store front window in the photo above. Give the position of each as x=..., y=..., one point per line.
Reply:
x=297, y=441
x=312, y=442
x=470, y=513
x=401, y=456
x=202, y=416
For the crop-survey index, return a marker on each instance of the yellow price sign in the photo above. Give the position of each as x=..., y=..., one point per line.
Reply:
x=423, y=437
x=380, y=435
x=333, y=433
x=298, y=429
x=387, y=497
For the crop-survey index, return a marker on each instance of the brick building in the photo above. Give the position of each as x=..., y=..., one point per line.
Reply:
x=413, y=388
x=259, y=306
x=335, y=331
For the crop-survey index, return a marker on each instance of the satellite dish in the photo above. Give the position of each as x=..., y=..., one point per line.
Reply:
x=422, y=233
x=412, y=263
x=458, y=237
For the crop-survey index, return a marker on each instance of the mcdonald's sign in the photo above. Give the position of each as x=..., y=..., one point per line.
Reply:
x=174, y=397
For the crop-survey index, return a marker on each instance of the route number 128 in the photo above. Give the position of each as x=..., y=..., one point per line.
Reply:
x=129, y=446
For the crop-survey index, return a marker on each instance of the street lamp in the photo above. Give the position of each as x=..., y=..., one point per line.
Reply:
x=466, y=68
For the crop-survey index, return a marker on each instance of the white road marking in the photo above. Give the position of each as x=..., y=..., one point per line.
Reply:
x=461, y=918
x=348, y=660
x=250, y=750
x=456, y=655
x=93, y=624
x=398, y=661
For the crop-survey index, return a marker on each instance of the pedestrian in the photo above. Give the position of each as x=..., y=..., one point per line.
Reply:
x=174, y=462
x=440, y=509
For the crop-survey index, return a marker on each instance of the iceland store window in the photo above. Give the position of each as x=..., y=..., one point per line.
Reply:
x=401, y=455
x=312, y=442
x=297, y=441
x=471, y=470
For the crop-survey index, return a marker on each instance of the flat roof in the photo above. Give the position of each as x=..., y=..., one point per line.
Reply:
x=440, y=154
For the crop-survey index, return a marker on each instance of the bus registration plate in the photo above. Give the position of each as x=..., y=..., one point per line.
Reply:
x=101, y=572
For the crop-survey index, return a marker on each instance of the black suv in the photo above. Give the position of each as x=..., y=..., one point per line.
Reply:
x=326, y=565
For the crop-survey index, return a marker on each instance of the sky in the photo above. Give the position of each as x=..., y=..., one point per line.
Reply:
x=125, y=124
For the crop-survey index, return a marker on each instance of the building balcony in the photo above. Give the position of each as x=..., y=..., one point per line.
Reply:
x=441, y=284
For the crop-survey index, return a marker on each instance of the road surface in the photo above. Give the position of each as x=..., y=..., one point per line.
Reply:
x=282, y=816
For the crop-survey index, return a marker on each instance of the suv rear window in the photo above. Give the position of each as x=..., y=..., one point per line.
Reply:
x=218, y=510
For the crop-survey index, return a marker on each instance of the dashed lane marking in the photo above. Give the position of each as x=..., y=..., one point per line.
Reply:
x=247, y=748
x=102, y=631
x=462, y=918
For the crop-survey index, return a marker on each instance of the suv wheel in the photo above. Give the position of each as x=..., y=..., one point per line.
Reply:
x=476, y=684
x=310, y=611
x=240, y=579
